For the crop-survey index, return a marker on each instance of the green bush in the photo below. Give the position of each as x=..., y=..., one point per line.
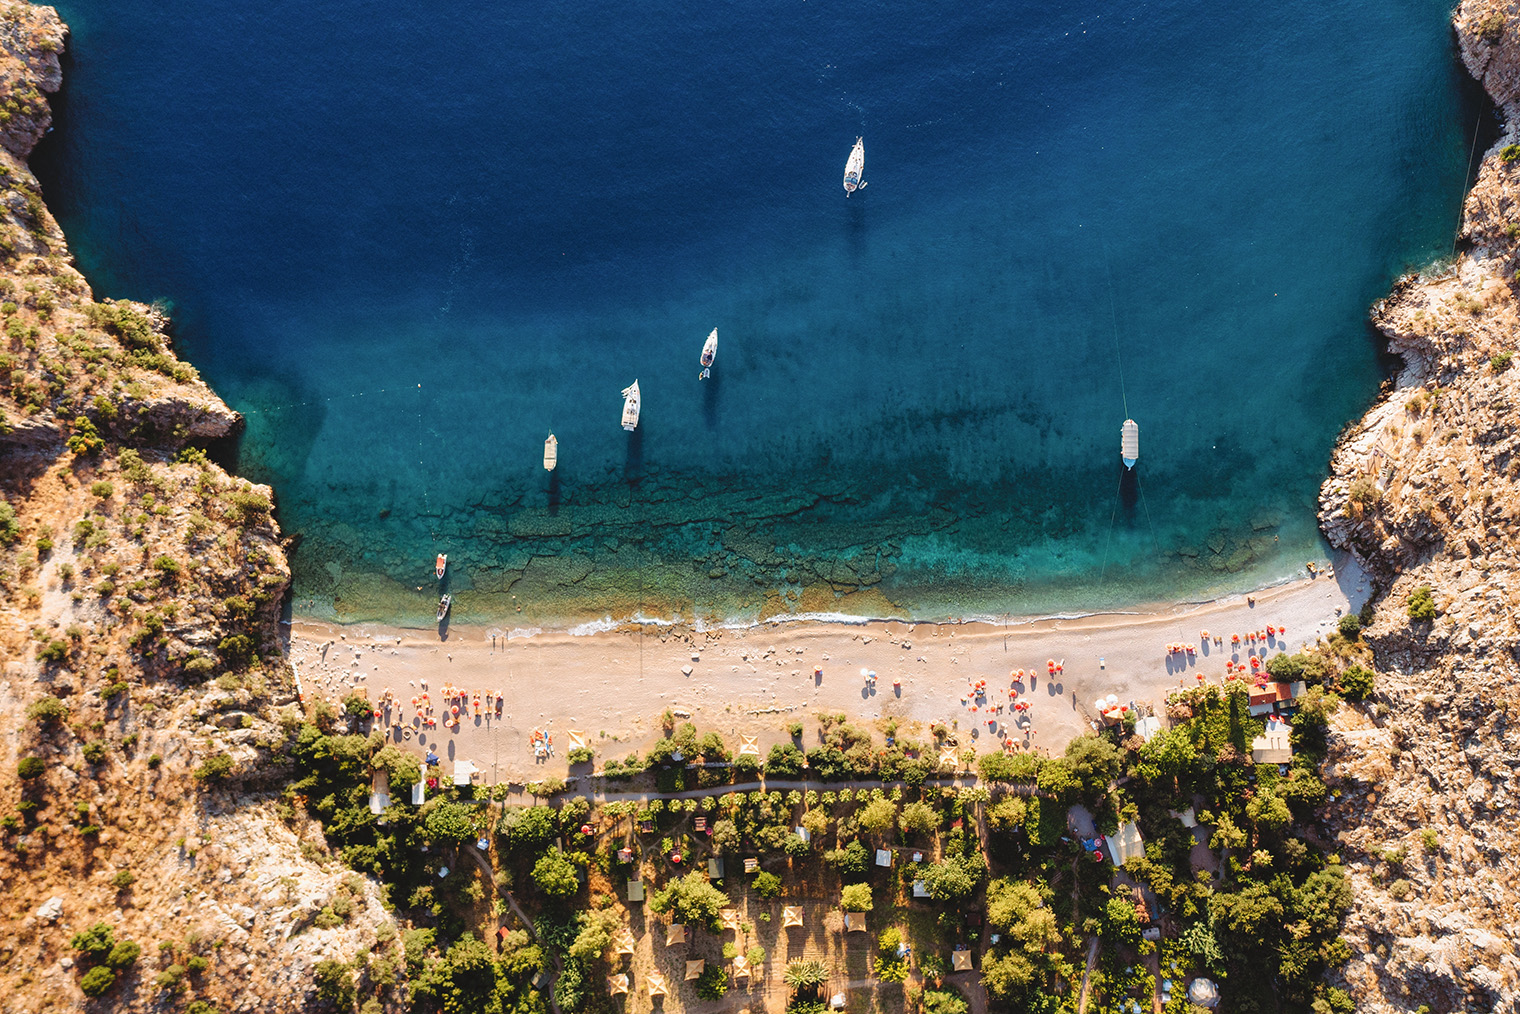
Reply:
x=1491, y=29
x=1356, y=682
x=97, y=980
x=1510, y=152
x=30, y=767
x=123, y=880
x=94, y=751
x=1422, y=605
x=215, y=768
x=1500, y=362
x=123, y=954
x=767, y=885
x=1350, y=626
x=94, y=943
x=53, y=653
x=1401, y=890
x=10, y=528
x=580, y=755
x=102, y=489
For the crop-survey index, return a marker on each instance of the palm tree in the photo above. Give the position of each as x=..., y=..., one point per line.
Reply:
x=805, y=975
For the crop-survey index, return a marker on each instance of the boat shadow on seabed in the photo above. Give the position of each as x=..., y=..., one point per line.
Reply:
x=710, y=392
x=1129, y=493
x=633, y=465
x=554, y=492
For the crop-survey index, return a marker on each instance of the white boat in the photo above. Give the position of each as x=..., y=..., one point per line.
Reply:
x=551, y=453
x=709, y=353
x=631, y=407
x=1129, y=443
x=855, y=168
x=443, y=607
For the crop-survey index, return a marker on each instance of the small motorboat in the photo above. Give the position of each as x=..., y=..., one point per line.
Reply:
x=709, y=353
x=443, y=607
x=631, y=407
x=551, y=453
x=855, y=168
x=441, y=565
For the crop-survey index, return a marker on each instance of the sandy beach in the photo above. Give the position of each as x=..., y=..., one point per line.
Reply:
x=611, y=686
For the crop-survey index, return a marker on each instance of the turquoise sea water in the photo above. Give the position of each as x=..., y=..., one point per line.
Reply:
x=408, y=243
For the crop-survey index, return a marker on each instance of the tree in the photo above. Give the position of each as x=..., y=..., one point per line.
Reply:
x=1247, y=913
x=555, y=875
x=1007, y=813
x=766, y=884
x=1268, y=811
x=878, y=816
x=1007, y=974
x=1057, y=779
x=596, y=933
x=725, y=835
x=850, y=861
x=1095, y=763
x=1017, y=909
x=691, y=900
x=804, y=976
x=335, y=983
x=953, y=877
x=784, y=761
x=941, y=1001
x=856, y=898
x=1120, y=924
x=919, y=818
x=447, y=821
x=1168, y=756
x=401, y=768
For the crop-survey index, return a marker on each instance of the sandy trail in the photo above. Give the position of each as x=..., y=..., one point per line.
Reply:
x=612, y=686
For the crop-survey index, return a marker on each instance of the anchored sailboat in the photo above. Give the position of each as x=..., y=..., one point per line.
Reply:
x=551, y=453
x=709, y=353
x=631, y=407
x=1129, y=443
x=855, y=168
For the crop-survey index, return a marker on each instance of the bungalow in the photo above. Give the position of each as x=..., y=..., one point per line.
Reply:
x=1274, y=697
x=1272, y=747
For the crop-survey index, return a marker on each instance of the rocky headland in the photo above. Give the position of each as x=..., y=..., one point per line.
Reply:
x=1425, y=491
x=142, y=681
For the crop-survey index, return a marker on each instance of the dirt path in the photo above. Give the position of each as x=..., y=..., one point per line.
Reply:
x=1092, y=959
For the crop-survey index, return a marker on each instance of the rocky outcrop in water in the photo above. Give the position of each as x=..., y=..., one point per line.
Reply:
x=1425, y=490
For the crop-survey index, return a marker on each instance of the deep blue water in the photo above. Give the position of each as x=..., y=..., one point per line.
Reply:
x=408, y=241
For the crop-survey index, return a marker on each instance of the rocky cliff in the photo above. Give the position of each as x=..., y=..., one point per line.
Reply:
x=1425, y=490
x=142, y=684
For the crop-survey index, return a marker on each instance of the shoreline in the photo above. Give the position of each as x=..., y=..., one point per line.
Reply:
x=1327, y=565
x=611, y=686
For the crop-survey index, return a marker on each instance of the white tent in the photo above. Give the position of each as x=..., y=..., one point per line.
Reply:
x=419, y=793
x=462, y=772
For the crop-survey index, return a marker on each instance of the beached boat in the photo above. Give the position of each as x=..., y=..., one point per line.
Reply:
x=1129, y=443
x=443, y=607
x=441, y=565
x=709, y=353
x=855, y=168
x=551, y=453
x=631, y=407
